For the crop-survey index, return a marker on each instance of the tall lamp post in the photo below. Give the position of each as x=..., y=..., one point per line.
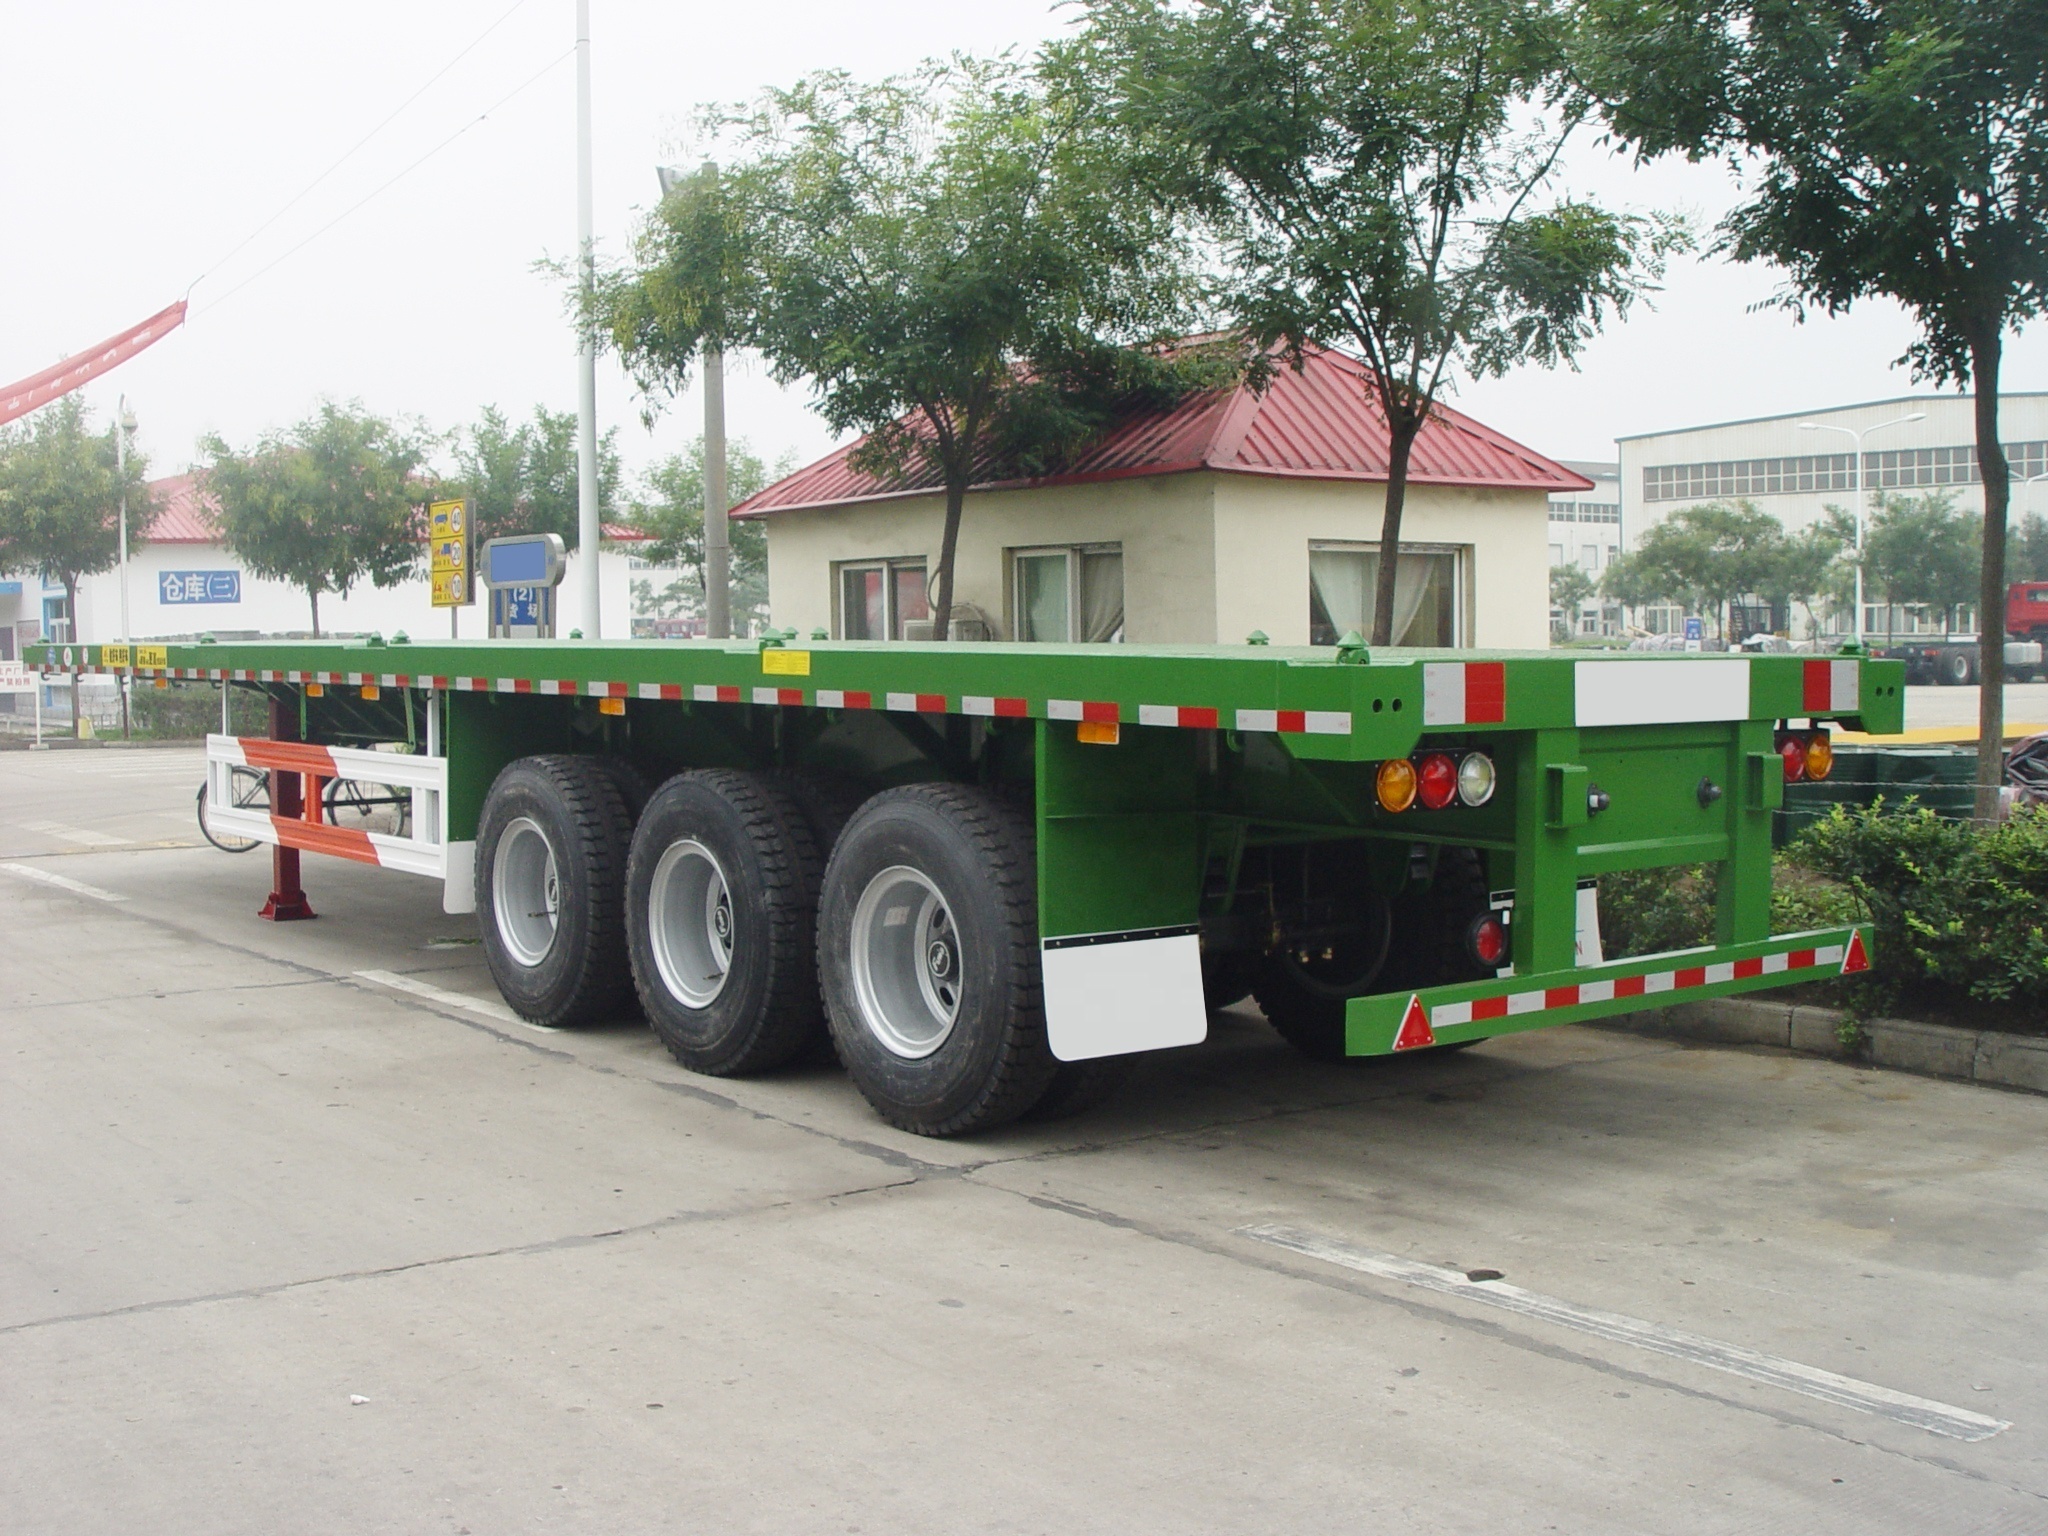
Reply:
x=124, y=424
x=717, y=528
x=1851, y=432
x=589, y=532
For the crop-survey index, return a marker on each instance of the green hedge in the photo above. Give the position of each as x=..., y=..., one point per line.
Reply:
x=186, y=711
x=1960, y=914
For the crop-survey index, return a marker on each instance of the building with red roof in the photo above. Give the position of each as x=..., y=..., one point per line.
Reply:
x=1228, y=512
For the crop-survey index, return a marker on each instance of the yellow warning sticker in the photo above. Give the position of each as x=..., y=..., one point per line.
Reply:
x=116, y=656
x=786, y=663
x=152, y=656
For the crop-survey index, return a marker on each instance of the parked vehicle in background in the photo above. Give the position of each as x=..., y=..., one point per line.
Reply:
x=1955, y=659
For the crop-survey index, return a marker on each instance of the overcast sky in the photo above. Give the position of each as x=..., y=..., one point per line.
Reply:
x=146, y=143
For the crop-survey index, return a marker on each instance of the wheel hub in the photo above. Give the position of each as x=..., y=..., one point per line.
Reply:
x=906, y=962
x=526, y=892
x=690, y=923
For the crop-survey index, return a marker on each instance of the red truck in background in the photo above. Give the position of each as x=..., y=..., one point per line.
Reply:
x=1955, y=659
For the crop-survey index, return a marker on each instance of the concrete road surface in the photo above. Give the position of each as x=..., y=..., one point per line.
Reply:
x=1931, y=706
x=300, y=1232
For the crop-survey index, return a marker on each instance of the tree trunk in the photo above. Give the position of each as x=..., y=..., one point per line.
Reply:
x=314, y=594
x=942, y=605
x=1997, y=478
x=1400, y=443
x=72, y=632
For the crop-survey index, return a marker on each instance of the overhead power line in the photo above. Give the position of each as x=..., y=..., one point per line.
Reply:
x=385, y=186
x=349, y=154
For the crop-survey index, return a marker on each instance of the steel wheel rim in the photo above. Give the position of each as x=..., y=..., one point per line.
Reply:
x=526, y=891
x=690, y=923
x=906, y=962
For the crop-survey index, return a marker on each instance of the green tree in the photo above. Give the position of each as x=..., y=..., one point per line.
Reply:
x=2029, y=560
x=523, y=478
x=1712, y=554
x=1635, y=582
x=954, y=267
x=1569, y=587
x=329, y=503
x=1376, y=176
x=670, y=511
x=1893, y=149
x=60, y=494
x=1923, y=550
x=1807, y=569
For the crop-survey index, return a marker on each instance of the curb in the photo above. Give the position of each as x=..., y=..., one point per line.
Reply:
x=1987, y=1056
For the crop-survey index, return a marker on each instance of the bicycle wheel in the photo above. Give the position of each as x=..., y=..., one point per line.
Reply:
x=251, y=793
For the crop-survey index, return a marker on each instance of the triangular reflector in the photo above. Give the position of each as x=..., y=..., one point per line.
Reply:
x=1414, y=1032
x=1855, y=957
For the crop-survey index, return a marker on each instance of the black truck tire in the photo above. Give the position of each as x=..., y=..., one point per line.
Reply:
x=1427, y=950
x=1956, y=668
x=721, y=913
x=550, y=889
x=928, y=952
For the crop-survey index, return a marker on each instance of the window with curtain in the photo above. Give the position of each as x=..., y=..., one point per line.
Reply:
x=877, y=598
x=1343, y=580
x=1068, y=594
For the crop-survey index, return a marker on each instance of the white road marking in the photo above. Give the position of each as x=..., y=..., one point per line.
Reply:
x=84, y=835
x=442, y=995
x=62, y=882
x=1771, y=1370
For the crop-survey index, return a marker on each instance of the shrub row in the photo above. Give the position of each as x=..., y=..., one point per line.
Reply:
x=1958, y=912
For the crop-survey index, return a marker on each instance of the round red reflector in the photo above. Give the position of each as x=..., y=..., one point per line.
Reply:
x=1436, y=780
x=1793, y=750
x=1487, y=939
x=1820, y=755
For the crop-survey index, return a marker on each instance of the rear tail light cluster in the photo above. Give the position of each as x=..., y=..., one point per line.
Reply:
x=1807, y=755
x=1435, y=781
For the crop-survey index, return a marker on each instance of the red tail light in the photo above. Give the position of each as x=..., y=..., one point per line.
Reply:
x=1436, y=780
x=1793, y=750
x=1487, y=940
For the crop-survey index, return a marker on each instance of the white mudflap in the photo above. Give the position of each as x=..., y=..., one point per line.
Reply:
x=1586, y=945
x=1112, y=994
x=458, y=885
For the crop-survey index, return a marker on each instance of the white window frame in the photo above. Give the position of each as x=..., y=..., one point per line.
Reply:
x=1462, y=564
x=888, y=565
x=1072, y=553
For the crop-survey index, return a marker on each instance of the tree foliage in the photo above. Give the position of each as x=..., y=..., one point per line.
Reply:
x=60, y=494
x=954, y=265
x=669, y=510
x=1923, y=550
x=324, y=505
x=1894, y=149
x=522, y=478
x=1708, y=556
x=60, y=497
x=1569, y=587
x=1377, y=175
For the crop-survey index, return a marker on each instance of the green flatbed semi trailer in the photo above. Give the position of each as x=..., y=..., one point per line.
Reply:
x=1009, y=866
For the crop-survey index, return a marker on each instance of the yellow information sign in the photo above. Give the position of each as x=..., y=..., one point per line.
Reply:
x=451, y=545
x=787, y=663
x=116, y=656
x=157, y=656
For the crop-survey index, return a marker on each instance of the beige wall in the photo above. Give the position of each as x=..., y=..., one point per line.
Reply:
x=1178, y=533
x=1264, y=526
x=1162, y=522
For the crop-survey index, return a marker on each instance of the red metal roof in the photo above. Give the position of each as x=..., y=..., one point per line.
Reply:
x=1322, y=423
x=184, y=515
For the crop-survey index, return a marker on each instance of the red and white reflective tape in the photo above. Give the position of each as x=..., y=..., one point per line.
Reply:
x=706, y=693
x=1310, y=722
x=778, y=695
x=1831, y=686
x=1191, y=717
x=993, y=706
x=919, y=703
x=1420, y=1021
x=1094, y=711
x=606, y=690
x=1464, y=692
x=846, y=698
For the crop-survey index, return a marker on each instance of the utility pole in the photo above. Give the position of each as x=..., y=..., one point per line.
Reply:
x=588, y=531
x=1857, y=437
x=124, y=423
x=717, y=501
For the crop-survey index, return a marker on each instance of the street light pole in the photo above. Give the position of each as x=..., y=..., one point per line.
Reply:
x=588, y=531
x=124, y=423
x=1857, y=437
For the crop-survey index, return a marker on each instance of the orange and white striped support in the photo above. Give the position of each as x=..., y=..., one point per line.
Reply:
x=295, y=818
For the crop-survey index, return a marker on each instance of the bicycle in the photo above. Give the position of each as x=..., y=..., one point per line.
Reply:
x=250, y=792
